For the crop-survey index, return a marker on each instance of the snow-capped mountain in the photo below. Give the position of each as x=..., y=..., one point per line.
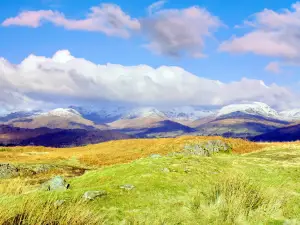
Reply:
x=256, y=108
x=103, y=114
x=61, y=112
x=187, y=113
x=112, y=113
x=149, y=112
x=290, y=115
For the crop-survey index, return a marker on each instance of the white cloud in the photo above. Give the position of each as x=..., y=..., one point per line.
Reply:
x=66, y=79
x=106, y=18
x=175, y=32
x=11, y=99
x=273, y=67
x=171, y=32
x=274, y=34
x=156, y=6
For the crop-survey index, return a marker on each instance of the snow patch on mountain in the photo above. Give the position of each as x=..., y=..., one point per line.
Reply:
x=256, y=108
x=187, y=113
x=290, y=115
x=102, y=114
x=61, y=112
x=144, y=112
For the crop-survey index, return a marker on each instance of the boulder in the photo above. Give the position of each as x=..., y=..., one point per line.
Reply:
x=207, y=148
x=8, y=171
x=56, y=183
x=91, y=195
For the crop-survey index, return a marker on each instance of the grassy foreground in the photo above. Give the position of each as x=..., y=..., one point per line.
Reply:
x=255, y=184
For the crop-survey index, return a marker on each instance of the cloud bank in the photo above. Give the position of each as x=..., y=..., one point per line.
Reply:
x=39, y=81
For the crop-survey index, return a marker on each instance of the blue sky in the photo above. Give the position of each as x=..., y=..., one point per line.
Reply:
x=17, y=42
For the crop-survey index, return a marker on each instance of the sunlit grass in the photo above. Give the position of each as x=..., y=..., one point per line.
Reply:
x=115, y=152
x=255, y=184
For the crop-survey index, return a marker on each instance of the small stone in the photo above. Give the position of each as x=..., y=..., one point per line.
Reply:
x=91, y=195
x=155, y=156
x=127, y=187
x=59, y=203
x=166, y=170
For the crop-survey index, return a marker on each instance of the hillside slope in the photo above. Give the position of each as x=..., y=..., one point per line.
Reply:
x=137, y=188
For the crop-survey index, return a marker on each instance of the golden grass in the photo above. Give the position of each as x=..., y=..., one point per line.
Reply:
x=115, y=152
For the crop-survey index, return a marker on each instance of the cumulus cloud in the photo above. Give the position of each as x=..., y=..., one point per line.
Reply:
x=107, y=18
x=175, y=32
x=66, y=79
x=273, y=34
x=273, y=67
x=171, y=32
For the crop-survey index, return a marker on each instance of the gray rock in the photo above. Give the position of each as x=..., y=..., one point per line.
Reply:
x=8, y=171
x=127, y=187
x=155, y=156
x=91, y=195
x=207, y=148
x=59, y=203
x=56, y=183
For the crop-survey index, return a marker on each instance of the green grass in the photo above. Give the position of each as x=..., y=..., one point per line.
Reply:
x=255, y=188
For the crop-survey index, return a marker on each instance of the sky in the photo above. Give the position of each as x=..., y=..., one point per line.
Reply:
x=205, y=52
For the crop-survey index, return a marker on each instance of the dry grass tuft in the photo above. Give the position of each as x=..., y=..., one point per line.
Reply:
x=38, y=212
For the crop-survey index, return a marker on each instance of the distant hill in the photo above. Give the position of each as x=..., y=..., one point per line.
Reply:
x=75, y=137
x=11, y=136
x=149, y=123
x=289, y=133
x=239, y=124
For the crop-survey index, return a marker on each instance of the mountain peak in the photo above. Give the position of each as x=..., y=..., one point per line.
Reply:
x=255, y=108
x=62, y=112
x=144, y=112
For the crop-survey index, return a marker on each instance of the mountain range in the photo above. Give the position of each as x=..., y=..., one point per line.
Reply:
x=75, y=125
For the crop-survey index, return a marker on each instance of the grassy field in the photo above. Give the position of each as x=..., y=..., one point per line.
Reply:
x=254, y=184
